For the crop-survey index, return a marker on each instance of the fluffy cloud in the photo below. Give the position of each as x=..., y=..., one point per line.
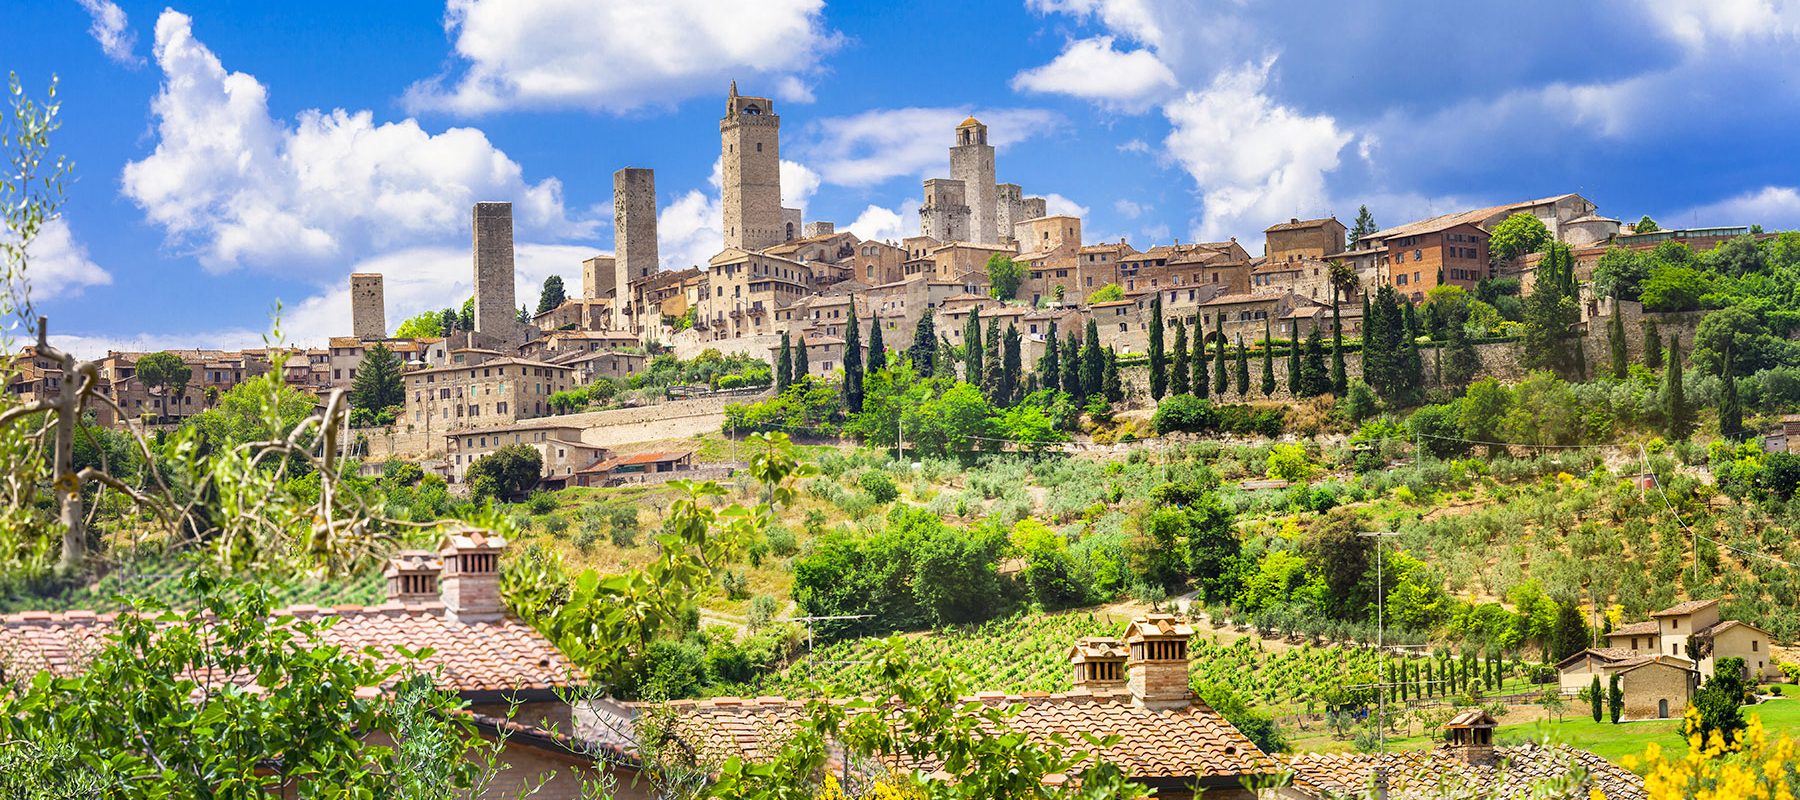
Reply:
x=1254, y=159
x=113, y=31
x=884, y=224
x=58, y=265
x=1092, y=69
x=415, y=279
x=1697, y=23
x=690, y=231
x=619, y=55
x=874, y=146
x=1129, y=209
x=237, y=187
x=1772, y=207
x=1057, y=204
x=798, y=182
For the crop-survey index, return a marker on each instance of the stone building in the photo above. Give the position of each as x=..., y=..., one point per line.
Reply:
x=972, y=163
x=1420, y=256
x=744, y=291
x=750, y=147
x=480, y=390
x=878, y=262
x=1655, y=687
x=945, y=214
x=1308, y=277
x=496, y=310
x=558, y=443
x=1299, y=239
x=969, y=206
x=634, y=236
x=599, y=278
x=368, y=306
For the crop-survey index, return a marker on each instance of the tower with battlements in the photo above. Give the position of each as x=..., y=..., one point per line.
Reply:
x=945, y=214
x=750, y=146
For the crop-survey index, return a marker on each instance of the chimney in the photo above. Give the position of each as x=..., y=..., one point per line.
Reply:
x=471, y=577
x=1471, y=737
x=1098, y=663
x=412, y=576
x=1158, y=664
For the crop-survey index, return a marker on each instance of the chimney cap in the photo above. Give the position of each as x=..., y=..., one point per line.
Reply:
x=413, y=561
x=471, y=540
x=1158, y=626
x=1098, y=648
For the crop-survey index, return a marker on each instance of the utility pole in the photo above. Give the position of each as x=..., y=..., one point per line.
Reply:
x=1380, y=643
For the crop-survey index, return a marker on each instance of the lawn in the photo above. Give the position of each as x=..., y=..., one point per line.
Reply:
x=1613, y=742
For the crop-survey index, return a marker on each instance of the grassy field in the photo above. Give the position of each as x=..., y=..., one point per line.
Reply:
x=1616, y=741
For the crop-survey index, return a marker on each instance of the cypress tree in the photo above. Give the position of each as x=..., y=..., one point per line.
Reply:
x=1615, y=700
x=853, y=361
x=1680, y=419
x=1221, y=378
x=1197, y=377
x=1093, y=362
x=943, y=364
x=1071, y=369
x=1049, y=371
x=1315, y=377
x=1579, y=346
x=1294, y=386
x=1340, y=381
x=877, y=348
x=1731, y=411
x=972, y=361
x=1653, y=349
x=802, y=368
x=1615, y=340
x=1268, y=362
x=991, y=367
x=1159, y=376
x=1009, y=367
x=1115, y=391
x=784, y=364
x=1596, y=696
x=1243, y=368
x=924, y=345
x=1178, y=383
x=1412, y=365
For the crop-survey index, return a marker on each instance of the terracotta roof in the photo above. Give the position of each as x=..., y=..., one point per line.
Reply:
x=1422, y=774
x=1648, y=626
x=1191, y=742
x=1609, y=654
x=1235, y=298
x=1688, y=607
x=467, y=656
x=615, y=462
x=1301, y=224
x=1721, y=627
x=967, y=122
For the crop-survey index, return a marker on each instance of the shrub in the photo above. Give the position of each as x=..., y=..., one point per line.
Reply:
x=556, y=524
x=622, y=524
x=879, y=485
x=540, y=503
x=1183, y=414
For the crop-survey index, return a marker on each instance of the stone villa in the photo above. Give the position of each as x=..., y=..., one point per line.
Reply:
x=1661, y=661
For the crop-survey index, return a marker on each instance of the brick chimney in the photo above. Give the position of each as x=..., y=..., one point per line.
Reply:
x=412, y=576
x=1470, y=737
x=1158, y=665
x=471, y=577
x=1098, y=663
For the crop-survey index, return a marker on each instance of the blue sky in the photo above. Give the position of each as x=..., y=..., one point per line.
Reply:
x=230, y=155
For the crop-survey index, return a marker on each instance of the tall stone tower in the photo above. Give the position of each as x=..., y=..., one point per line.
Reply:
x=368, y=307
x=634, y=238
x=945, y=213
x=496, y=312
x=972, y=162
x=750, y=144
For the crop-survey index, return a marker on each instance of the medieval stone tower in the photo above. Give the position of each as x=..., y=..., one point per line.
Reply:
x=597, y=277
x=945, y=214
x=368, y=307
x=972, y=162
x=750, y=144
x=634, y=238
x=496, y=312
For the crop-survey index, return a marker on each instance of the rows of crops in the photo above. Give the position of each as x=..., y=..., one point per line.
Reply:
x=163, y=583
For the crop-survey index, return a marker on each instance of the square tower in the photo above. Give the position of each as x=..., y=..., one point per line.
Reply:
x=972, y=162
x=368, y=308
x=945, y=214
x=598, y=277
x=634, y=237
x=496, y=312
x=750, y=145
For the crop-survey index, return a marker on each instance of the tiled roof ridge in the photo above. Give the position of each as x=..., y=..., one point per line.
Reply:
x=295, y=611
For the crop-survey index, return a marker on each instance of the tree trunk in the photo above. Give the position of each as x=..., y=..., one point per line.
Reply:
x=66, y=484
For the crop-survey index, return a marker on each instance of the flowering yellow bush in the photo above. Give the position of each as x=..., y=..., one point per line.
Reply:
x=1751, y=766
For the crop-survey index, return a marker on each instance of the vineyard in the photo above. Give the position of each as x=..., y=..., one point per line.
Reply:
x=164, y=585
x=1028, y=653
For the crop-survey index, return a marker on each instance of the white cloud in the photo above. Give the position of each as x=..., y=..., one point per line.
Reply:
x=1254, y=159
x=238, y=187
x=57, y=265
x=113, y=31
x=798, y=182
x=1092, y=69
x=619, y=55
x=1134, y=146
x=1056, y=204
x=1129, y=209
x=1136, y=19
x=691, y=230
x=874, y=146
x=1772, y=207
x=415, y=279
x=1695, y=24
x=883, y=224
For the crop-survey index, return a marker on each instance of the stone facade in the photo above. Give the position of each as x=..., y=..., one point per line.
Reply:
x=634, y=236
x=599, y=279
x=945, y=214
x=750, y=141
x=818, y=228
x=793, y=225
x=368, y=306
x=745, y=290
x=972, y=162
x=496, y=310
x=1303, y=238
x=479, y=392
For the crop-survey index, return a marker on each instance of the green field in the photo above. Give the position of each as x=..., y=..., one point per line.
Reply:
x=1613, y=742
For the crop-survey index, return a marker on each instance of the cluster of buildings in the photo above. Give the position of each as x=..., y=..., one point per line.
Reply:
x=778, y=274
x=1660, y=662
x=553, y=732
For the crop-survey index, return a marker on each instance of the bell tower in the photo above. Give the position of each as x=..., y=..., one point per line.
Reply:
x=750, y=149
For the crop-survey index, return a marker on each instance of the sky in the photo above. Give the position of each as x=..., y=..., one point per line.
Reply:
x=235, y=158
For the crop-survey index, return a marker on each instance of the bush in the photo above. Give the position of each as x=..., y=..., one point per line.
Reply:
x=1183, y=413
x=879, y=485
x=781, y=542
x=622, y=524
x=540, y=503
